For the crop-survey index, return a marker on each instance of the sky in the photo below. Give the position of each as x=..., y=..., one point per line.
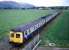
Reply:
x=44, y=2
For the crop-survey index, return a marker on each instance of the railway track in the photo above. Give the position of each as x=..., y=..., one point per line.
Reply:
x=4, y=45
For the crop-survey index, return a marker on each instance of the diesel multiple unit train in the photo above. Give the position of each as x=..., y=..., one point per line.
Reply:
x=22, y=33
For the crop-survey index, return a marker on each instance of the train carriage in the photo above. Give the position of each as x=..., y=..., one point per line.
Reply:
x=19, y=34
x=24, y=32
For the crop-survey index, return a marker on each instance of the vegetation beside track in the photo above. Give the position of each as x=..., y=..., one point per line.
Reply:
x=57, y=32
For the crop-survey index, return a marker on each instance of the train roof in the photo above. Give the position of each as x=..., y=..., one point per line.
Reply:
x=23, y=27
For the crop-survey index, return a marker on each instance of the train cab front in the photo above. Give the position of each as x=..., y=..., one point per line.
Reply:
x=16, y=38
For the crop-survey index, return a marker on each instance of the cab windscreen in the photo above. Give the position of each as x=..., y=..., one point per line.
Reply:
x=17, y=35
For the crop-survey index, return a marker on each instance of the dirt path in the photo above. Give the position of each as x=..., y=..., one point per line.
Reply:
x=4, y=45
x=52, y=48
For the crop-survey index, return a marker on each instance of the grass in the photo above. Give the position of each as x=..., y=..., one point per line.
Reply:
x=12, y=18
x=58, y=31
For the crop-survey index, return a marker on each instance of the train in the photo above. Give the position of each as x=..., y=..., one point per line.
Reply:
x=22, y=33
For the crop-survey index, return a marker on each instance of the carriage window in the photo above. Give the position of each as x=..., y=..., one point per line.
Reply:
x=12, y=34
x=17, y=35
x=26, y=32
x=29, y=31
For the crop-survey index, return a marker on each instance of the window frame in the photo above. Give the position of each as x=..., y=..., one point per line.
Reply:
x=12, y=34
x=17, y=35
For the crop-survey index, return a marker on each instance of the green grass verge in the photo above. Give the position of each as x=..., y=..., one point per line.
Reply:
x=58, y=31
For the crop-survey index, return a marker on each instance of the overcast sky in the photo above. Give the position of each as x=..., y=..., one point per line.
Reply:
x=44, y=2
